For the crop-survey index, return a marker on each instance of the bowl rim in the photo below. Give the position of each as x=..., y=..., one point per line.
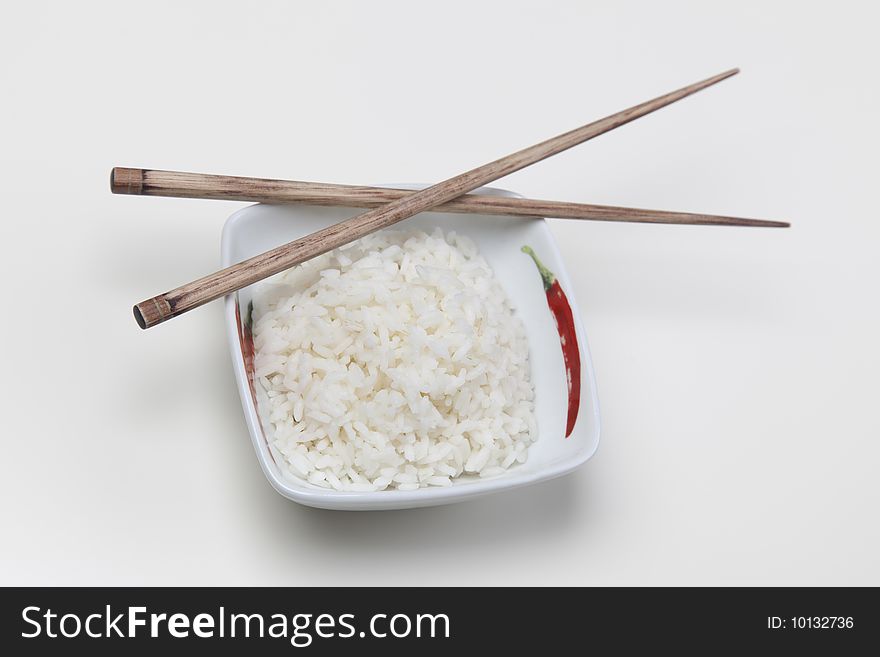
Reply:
x=396, y=499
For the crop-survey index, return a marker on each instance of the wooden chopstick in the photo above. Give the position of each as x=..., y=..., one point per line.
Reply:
x=175, y=302
x=179, y=184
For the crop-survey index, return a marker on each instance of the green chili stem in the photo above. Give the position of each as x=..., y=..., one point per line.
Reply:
x=546, y=275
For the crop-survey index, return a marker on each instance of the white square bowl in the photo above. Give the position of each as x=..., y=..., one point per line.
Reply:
x=257, y=228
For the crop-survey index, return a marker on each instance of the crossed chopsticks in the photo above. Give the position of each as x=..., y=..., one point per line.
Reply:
x=388, y=206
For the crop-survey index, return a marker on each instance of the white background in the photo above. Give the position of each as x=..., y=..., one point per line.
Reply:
x=737, y=368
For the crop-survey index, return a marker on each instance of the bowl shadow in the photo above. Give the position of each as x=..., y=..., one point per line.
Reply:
x=507, y=518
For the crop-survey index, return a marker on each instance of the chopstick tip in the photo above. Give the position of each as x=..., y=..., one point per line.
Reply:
x=139, y=317
x=152, y=311
x=126, y=181
x=767, y=223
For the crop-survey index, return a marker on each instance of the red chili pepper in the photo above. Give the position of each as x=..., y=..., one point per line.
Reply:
x=561, y=310
x=246, y=340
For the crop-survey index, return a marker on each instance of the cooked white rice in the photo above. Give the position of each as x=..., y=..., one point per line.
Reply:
x=393, y=362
